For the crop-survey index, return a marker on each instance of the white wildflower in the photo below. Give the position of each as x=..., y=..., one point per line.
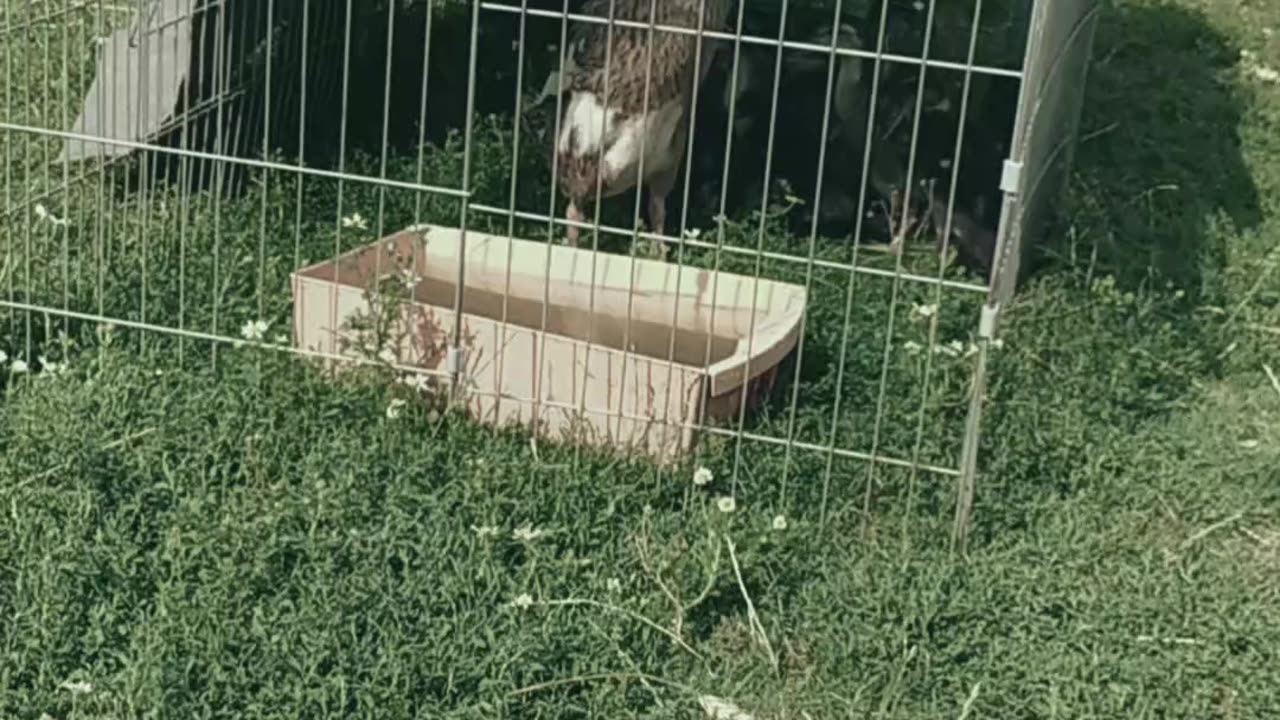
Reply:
x=953, y=348
x=50, y=367
x=1249, y=444
x=18, y=366
x=485, y=531
x=720, y=709
x=703, y=476
x=76, y=687
x=410, y=279
x=997, y=343
x=1265, y=74
x=43, y=213
x=727, y=504
x=523, y=601
x=254, y=330
x=4, y=357
x=527, y=533
x=418, y=381
x=912, y=347
x=924, y=311
x=614, y=585
x=395, y=408
x=355, y=221
x=692, y=234
x=780, y=523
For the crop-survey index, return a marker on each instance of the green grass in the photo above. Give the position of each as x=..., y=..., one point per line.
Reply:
x=247, y=537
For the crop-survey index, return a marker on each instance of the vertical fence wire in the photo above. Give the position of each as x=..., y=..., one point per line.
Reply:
x=850, y=290
x=760, y=235
x=898, y=242
x=957, y=157
x=827, y=103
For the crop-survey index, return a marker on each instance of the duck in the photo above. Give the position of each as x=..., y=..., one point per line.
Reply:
x=615, y=125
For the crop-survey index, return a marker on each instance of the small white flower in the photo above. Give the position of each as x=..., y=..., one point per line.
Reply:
x=702, y=476
x=254, y=330
x=523, y=601
x=410, y=280
x=953, y=349
x=1249, y=444
x=527, y=533
x=1265, y=74
x=18, y=367
x=912, y=347
x=692, y=234
x=925, y=311
x=997, y=343
x=614, y=585
x=780, y=523
x=395, y=408
x=77, y=687
x=52, y=368
x=417, y=381
x=43, y=213
x=4, y=357
x=485, y=531
x=727, y=504
x=355, y=221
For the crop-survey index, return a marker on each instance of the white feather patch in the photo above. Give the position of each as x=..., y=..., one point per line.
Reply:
x=593, y=123
x=657, y=132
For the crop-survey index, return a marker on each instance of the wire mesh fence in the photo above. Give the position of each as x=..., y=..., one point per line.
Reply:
x=795, y=222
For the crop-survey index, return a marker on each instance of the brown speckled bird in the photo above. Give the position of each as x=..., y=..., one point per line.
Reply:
x=606, y=134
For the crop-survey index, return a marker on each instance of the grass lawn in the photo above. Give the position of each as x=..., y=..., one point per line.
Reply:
x=201, y=532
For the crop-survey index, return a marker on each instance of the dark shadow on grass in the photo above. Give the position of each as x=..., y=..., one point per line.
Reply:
x=1159, y=163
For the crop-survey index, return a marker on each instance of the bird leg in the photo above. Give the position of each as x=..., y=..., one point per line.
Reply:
x=573, y=214
x=659, y=187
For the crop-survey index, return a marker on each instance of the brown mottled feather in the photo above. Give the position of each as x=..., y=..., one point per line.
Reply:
x=672, y=75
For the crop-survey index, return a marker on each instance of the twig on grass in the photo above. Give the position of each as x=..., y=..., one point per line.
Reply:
x=67, y=463
x=578, y=679
x=968, y=703
x=757, y=628
x=571, y=602
x=1210, y=529
x=1271, y=374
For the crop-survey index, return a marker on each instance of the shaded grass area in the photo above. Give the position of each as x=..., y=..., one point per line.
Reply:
x=250, y=538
